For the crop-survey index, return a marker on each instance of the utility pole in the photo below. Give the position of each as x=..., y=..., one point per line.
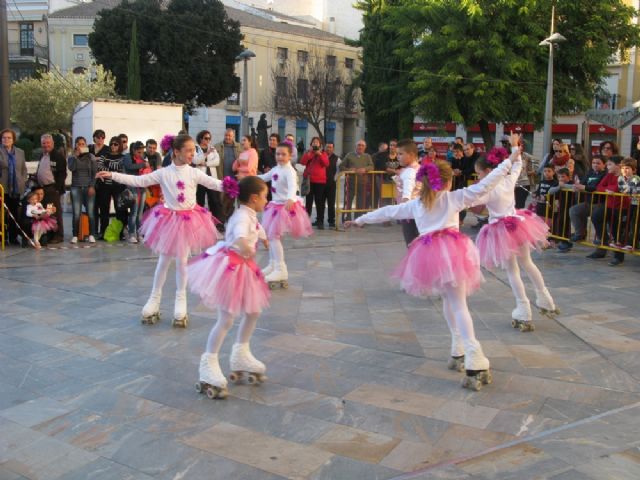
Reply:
x=4, y=66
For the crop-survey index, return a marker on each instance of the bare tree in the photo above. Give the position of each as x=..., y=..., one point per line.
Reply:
x=314, y=88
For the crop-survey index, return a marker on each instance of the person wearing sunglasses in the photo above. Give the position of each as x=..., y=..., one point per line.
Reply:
x=107, y=189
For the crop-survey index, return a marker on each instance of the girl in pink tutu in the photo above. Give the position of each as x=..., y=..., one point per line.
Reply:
x=177, y=227
x=284, y=214
x=227, y=277
x=442, y=261
x=42, y=222
x=506, y=241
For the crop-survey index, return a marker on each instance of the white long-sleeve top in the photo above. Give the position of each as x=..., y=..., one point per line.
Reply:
x=202, y=160
x=408, y=188
x=242, y=224
x=444, y=212
x=179, y=184
x=501, y=200
x=284, y=182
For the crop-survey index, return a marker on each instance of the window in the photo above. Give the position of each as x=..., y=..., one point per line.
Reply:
x=26, y=39
x=281, y=86
x=331, y=60
x=80, y=40
x=303, y=88
x=283, y=54
x=348, y=63
x=233, y=99
x=303, y=57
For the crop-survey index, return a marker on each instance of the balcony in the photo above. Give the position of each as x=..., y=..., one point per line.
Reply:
x=606, y=102
x=19, y=52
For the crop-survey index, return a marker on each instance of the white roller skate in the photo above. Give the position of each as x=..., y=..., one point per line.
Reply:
x=151, y=309
x=268, y=269
x=456, y=363
x=180, y=316
x=279, y=276
x=521, y=316
x=212, y=381
x=243, y=363
x=477, y=369
x=545, y=303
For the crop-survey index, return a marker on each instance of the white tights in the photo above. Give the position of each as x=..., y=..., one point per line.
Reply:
x=224, y=324
x=513, y=273
x=276, y=252
x=463, y=337
x=164, y=262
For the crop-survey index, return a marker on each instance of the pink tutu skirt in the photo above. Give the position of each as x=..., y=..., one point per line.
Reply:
x=46, y=224
x=277, y=221
x=226, y=280
x=178, y=233
x=437, y=260
x=498, y=242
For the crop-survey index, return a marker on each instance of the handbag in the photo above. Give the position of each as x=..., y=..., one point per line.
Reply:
x=126, y=199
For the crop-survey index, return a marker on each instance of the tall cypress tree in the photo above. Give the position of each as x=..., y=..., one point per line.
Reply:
x=133, y=67
x=384, y=80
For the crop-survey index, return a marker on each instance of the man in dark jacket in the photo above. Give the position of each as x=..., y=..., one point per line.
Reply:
x=51, y=174
x=330, y=191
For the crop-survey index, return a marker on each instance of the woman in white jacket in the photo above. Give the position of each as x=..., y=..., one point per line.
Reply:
x=207, y=160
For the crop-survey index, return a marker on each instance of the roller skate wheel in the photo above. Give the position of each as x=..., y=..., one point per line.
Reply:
x=234, y=376
x=284, y=284
x=211, y=393
x=151, y=320
x=272, y=285
x=180, y=322
x=456, y=364
x=472, y=383
x=514, y=323
x=527, y=327
x=485, y=377
x=199, y=387
x=252, y=379
x=223, y=393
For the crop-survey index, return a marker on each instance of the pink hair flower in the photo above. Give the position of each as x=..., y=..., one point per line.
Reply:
x=166, y=142
x=497, y=155
x=432, y=172
x=230, y=187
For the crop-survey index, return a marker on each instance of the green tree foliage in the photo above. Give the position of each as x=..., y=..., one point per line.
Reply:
x=475, y=61
x=384, y=81
x=47, y=103
x=187, y=49
x=133, y=70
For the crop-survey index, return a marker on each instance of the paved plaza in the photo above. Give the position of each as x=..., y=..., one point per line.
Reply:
x=358, y=386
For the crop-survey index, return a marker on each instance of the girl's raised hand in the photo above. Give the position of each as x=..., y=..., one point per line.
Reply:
x=514, y=139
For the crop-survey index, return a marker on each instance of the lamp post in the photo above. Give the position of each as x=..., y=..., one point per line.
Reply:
x=244, y=103
x=553, y=39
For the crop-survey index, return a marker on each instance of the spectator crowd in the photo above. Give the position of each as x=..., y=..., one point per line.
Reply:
x=567, y=187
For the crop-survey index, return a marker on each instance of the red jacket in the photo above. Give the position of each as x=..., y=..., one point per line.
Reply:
x=610, y=182
x=317, y=163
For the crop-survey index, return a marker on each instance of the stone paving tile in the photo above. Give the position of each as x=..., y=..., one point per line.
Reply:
x=355, y=443
x=35, y=411
x=358, y=382
x=277, y=456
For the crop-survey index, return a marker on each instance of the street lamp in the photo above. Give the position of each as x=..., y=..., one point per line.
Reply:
x=244, y=104
x=553, y=39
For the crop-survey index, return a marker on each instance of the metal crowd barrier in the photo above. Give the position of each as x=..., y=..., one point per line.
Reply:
x=359, y=193
x=615, y=214
x=3, y=227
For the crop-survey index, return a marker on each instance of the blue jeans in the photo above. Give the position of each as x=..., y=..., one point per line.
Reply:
x=80, y=197
x=135, y=212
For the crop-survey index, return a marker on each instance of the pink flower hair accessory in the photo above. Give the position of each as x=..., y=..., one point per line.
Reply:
x=230, y=187
x=497, y=155
x=432, y=172
x=167, y=142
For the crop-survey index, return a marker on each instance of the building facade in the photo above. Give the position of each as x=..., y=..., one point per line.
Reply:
x=278, y=41
x=28, y=39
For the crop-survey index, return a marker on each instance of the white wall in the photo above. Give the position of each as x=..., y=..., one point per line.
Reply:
x=138, y=121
